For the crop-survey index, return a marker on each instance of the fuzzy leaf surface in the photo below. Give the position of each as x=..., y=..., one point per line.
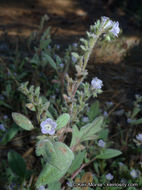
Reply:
x=22, y=121
x=62, y=120
x=109, y=153
x=57, y=164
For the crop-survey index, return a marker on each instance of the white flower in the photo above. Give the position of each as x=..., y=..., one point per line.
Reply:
x=115, y=29
x=139, y=137
x=41, y=187
x=109, y=176
x=133, y=173
x=106, y=22
x=121, y=164
x=129, y=120
x=2, y=128
x=74, y=44
x=109, y=104
x=101, y=143
x=74, y=60
x=85, y=119
x=53, y=97
x=5, y=117
x=61, y=65
x=105, y=114
x=109, y=24
x=48, y=126
x=96, y=83
x=58, y=46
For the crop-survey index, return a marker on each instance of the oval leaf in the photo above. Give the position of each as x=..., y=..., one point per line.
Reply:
x=109, y=153
x=17, y=163
x=50, y=61
x=22, y=121
x=62, y=120
x=10, y=134
x=57, y=164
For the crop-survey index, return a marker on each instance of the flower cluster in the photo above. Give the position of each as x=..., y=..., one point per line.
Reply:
x=96, y=83
x=133, y=173
x=48, y=126
x=139, y=137
x=113, y=27
x=109, y=176
x=2, y=128
x=101, y=143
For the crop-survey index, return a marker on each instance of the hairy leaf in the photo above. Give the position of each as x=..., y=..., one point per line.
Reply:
x=22, y=121
x=62, y=120
x=109, y=153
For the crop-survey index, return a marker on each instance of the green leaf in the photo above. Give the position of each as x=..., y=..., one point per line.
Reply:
x=62, y=120
x=75, y=136
x=30, y=106
x=22, y=121
x=10, y=134
x=48, y=114
x=50, y=61
x=2, y=103
x=74, y=54
x=108, y=153
x=37, y=91
x=57, y=164
x=136, y=122
x=45, y=148
x=77, y=162
x=17, y=163
x=94, y=111
x=103, y=134
x=88, y=132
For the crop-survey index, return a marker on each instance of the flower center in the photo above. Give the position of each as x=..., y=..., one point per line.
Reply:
x=48, y=126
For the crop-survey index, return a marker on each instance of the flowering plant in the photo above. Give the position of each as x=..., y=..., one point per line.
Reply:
x=61, y=158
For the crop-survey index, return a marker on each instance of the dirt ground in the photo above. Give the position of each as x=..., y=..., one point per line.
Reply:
x=119, y=66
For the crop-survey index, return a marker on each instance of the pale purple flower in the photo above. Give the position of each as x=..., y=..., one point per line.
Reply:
x=139, y=137
x=48, y=126
x=70, y=184
x=96, y=83
x=58, y=46
x=121, y=164
x=115, y=29
x=53, y=97
x=107, y=23
x=2, y=128
x=61, y=65
x=85, y=119
x=5, y=117
x=1, y=97
x=74, y=44
x=129, y=120
x=133, y=173
x=101, y=143
x=105, y=114
x=41, y=187
x=109, y=176
x=109, y=104
x=74, y=59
